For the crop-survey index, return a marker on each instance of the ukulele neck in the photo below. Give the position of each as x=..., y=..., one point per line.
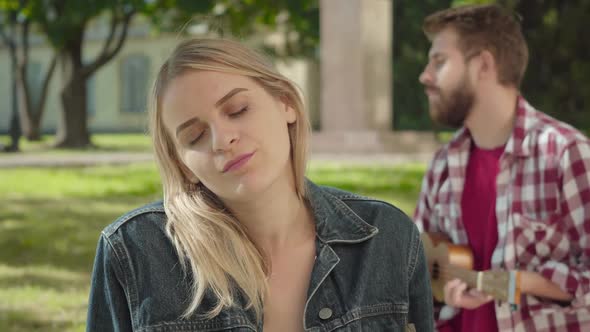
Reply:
x=501, y=285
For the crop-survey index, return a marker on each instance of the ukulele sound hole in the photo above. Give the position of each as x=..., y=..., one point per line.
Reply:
x=435, y=271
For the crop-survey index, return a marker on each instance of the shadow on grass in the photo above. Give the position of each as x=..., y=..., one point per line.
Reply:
x=57, y=232
x=121, y=142
x=56, y=283
x=25, y=320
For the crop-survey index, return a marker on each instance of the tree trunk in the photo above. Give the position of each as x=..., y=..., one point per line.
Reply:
x=34, y=133
x=15, y=129
x=10, y=43
x=73, y=129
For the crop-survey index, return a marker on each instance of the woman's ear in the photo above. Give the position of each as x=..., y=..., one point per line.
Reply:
x=290, y=113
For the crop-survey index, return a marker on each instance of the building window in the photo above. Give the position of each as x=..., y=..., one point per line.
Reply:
x=91, y=96
x=34, y=81
x=134, y=78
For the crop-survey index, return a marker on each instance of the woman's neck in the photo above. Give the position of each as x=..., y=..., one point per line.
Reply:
x=277, y=219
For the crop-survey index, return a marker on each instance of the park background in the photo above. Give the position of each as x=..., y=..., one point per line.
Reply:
x=75, y=73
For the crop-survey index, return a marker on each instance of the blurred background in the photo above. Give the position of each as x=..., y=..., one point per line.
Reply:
x=75, y=74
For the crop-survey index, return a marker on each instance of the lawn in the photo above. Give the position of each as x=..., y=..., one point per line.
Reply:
x=103, y=143
x=50, y=220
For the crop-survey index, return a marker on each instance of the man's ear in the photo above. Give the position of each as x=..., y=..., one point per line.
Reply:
x=488, y=69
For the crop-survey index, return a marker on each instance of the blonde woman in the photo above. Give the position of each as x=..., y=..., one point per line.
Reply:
x=242, y=241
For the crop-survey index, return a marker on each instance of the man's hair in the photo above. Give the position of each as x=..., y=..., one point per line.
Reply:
x=486, y=27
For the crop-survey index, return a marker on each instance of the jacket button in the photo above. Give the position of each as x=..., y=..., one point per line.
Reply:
x=325, y=313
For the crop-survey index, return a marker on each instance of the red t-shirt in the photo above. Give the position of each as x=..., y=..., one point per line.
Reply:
x=479, y=218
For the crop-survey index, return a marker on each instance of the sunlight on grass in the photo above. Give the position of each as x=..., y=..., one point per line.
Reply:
x=397, y=185
x=123, y=142
x=51, y=218
x=42, y=298
x=132, y=142
x=136, y=179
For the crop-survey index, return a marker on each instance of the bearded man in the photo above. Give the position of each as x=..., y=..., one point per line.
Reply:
x=513, y=184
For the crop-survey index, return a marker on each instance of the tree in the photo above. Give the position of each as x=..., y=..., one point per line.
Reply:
x=64, y=24
x=297, y=20
x=7, y=32
x=12, y=26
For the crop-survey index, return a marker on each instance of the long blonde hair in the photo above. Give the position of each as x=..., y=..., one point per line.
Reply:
x=210, y=242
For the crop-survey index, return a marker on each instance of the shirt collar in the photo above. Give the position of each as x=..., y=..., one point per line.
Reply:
x=336, y=222
x=518, y=144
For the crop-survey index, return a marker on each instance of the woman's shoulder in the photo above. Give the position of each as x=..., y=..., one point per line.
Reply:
x=141, y=221
x=373, y=211
x=139, y=237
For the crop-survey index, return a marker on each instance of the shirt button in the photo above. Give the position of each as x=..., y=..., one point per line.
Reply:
x=325, y=313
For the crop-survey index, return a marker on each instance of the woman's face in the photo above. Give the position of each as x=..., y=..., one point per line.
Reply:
x=230, y=133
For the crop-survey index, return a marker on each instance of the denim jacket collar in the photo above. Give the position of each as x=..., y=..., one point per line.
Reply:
x=336, y=222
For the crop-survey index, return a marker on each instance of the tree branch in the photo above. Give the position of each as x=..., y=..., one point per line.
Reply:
x=107, y=54
x=110, y=37
x=45, y=87
x=5, y=38
x=8, y=41
x=23, y=61
x=25, y=41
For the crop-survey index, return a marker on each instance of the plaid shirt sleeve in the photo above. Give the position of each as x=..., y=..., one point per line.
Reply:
x=423, y=217
x=575, y=204
x=423, y=212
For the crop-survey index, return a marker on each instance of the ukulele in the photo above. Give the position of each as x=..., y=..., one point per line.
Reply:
x=447, y=261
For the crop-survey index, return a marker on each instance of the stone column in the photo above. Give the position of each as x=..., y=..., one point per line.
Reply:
x=356, y=64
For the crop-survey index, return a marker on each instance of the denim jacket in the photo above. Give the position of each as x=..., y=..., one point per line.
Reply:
x=370, y=273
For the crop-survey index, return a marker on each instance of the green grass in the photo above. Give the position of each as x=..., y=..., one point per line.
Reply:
x=103, y=143
x=397, y=185
x=50, y=220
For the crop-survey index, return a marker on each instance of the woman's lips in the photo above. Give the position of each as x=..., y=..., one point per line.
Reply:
x=237, y=162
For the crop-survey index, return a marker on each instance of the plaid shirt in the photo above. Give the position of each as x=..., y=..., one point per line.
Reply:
x=543, y=214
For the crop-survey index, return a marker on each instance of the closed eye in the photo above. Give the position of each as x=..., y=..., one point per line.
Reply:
x=238, y=113
x=196, y=139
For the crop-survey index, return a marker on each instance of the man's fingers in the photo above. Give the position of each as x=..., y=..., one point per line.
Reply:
x=453, y=291
x=480, y=295
x=458, y=293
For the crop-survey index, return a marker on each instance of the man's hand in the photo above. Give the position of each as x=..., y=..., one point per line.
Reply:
x=457, y=295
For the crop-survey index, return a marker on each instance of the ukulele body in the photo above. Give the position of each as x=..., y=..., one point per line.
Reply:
x=447, y=261
x=442, y=254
